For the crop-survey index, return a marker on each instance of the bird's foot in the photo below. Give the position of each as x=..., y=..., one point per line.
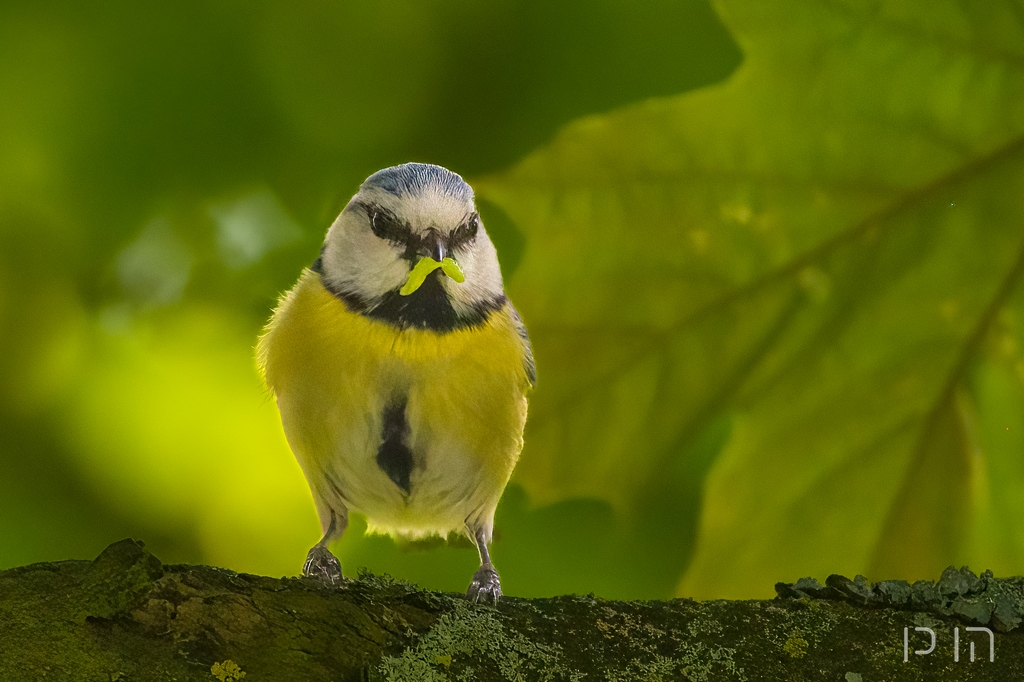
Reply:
x=486, y=586
x=323, y=565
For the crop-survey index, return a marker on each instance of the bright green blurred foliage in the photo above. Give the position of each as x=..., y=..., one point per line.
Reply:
x=770, y=255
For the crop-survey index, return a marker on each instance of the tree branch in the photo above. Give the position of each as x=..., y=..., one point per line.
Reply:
x=125, y=616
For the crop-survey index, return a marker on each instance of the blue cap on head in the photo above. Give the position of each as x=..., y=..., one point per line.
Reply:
x=413, y=178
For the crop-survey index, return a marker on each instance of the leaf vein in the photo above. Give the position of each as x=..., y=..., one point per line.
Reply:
x=821, y=252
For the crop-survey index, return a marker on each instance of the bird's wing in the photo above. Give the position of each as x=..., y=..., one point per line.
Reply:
x=528, y=362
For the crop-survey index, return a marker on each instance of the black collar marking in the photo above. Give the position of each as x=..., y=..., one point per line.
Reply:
x=426, y=308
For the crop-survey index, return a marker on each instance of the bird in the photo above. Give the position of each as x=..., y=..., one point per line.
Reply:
x=401, y=370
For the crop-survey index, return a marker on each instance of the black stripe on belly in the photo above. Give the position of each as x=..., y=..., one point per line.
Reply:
x=393, y=456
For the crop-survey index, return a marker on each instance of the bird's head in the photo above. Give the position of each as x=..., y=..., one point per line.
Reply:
x=412, y=233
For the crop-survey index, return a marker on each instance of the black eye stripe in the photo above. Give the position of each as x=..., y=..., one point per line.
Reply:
x=466, y=232
x=386, y=226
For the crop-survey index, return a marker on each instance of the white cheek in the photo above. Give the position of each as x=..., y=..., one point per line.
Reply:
x=357, y=261
x=377, y=268
x=483, y=276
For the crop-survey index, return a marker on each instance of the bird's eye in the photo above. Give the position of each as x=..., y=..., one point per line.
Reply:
x=387, y=227
x=465, y=232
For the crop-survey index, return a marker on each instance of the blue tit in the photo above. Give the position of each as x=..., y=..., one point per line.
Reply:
x=401, y=369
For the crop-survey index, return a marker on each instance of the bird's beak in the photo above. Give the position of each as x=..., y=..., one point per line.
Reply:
x=435, y=247
x=437, y=259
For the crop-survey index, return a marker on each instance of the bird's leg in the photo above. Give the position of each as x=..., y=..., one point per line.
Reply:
x=320, y=563
x=486, y=585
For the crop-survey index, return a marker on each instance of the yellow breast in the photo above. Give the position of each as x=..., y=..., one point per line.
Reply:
x=334, y=372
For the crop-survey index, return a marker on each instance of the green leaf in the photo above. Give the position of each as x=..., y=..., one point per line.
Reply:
x=826, y=252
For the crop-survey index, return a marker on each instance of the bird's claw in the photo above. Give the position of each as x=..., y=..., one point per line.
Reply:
x=322, y=565
x=486, y=586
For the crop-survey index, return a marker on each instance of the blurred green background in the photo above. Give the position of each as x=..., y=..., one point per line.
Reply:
x=771, y=257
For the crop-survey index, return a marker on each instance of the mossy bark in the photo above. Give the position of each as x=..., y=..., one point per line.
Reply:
x=125, y=616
